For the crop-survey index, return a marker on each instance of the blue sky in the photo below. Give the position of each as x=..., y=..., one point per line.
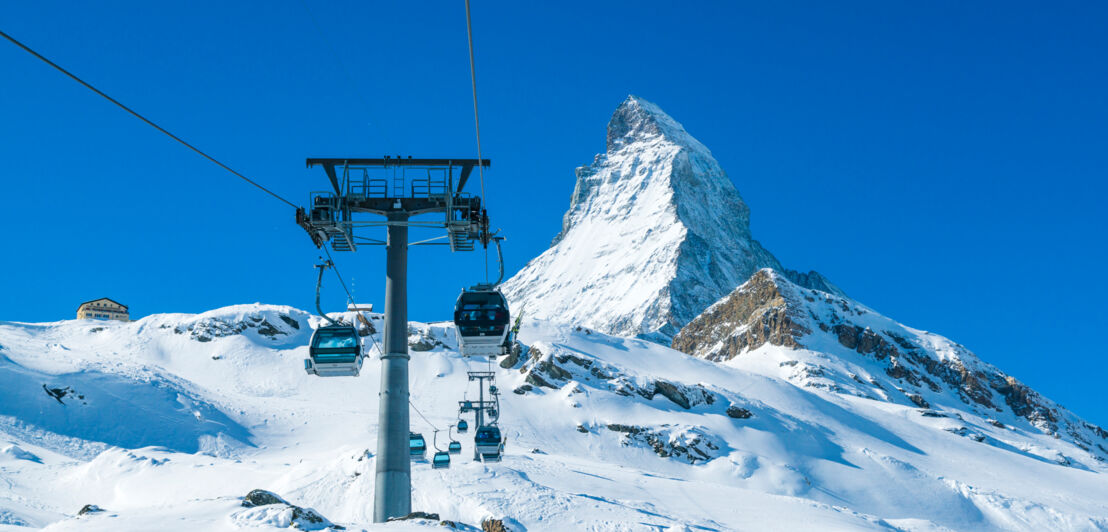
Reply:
x=943, y=163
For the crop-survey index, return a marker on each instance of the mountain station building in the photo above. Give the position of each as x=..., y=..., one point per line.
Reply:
x=103, y=309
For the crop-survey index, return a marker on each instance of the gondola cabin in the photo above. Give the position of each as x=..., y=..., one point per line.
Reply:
x=455, y=447
x=481, y=320
x=488, y=444
x=334, y=351
x=463, y=426
x=417, y=446
x=441, y=460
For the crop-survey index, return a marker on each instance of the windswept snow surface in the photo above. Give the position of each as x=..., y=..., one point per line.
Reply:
x=167, y=422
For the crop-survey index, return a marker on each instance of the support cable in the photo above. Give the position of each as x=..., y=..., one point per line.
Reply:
x=143, y=118
x=349, y=296
x=476, y=116
x=477, y=125
x=425, y=420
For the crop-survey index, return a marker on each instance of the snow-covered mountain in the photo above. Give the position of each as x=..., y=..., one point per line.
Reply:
x=843, y=346
x=655, y=233
x=167, y=423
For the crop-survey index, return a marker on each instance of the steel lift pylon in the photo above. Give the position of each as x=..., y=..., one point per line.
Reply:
x=394, y=190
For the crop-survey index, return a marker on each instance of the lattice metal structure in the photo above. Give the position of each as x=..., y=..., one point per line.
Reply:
x=389, y=187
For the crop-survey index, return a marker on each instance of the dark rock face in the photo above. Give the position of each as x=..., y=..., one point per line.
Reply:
x=494, y=525
x=307, y=518
x=421, y=340
x=90, y=509
x=261, y=498
x=302, y=518
x=416, y=515
x=207, y=329
x=422, y=344
x=863, y=341
x=919, y=400
x=671, y=392
x=691, y=444
x=553, y=372
x=514, y=353
x=631, y=121
x=738, y=412
x=290, y=322
x=755, y=314
x=682, y=395
x=813, y=280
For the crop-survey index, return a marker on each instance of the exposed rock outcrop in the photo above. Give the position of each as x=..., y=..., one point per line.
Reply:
x=294, y=516
x=89, y=509
x=690, y=444
x=267, y=323
x=754, y=314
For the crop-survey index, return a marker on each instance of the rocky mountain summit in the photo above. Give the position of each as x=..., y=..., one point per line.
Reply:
x=845, y=347
x=655, y=233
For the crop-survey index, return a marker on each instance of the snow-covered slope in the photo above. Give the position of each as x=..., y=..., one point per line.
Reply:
x=167, y=422
x=655, y=233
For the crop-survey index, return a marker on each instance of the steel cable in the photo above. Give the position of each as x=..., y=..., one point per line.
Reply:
x=143, y=118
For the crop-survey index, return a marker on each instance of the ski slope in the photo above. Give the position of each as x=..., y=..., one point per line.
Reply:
x=168, y=421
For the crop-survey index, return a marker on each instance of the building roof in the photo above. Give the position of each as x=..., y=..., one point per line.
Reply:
x=102, y=299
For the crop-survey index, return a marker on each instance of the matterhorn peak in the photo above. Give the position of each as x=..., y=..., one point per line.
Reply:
x=655, y=233
x=637, y=119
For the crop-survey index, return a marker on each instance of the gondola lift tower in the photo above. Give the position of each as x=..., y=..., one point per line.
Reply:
x=391, y=192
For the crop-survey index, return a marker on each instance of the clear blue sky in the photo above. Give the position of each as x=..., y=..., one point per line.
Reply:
x=943, y=163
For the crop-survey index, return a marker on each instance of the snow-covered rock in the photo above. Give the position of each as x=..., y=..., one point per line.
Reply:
x=655, y=233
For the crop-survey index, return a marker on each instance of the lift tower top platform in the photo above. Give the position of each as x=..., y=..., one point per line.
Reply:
x=394, y=187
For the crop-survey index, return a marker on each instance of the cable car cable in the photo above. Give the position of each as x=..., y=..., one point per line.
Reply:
x=410, y=403
x=143, y=118
x=349, y=296
x=476, y=116
x=477, y=126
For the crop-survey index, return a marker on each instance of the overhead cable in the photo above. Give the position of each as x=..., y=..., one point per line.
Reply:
x=477, y=125
x=143, y=118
